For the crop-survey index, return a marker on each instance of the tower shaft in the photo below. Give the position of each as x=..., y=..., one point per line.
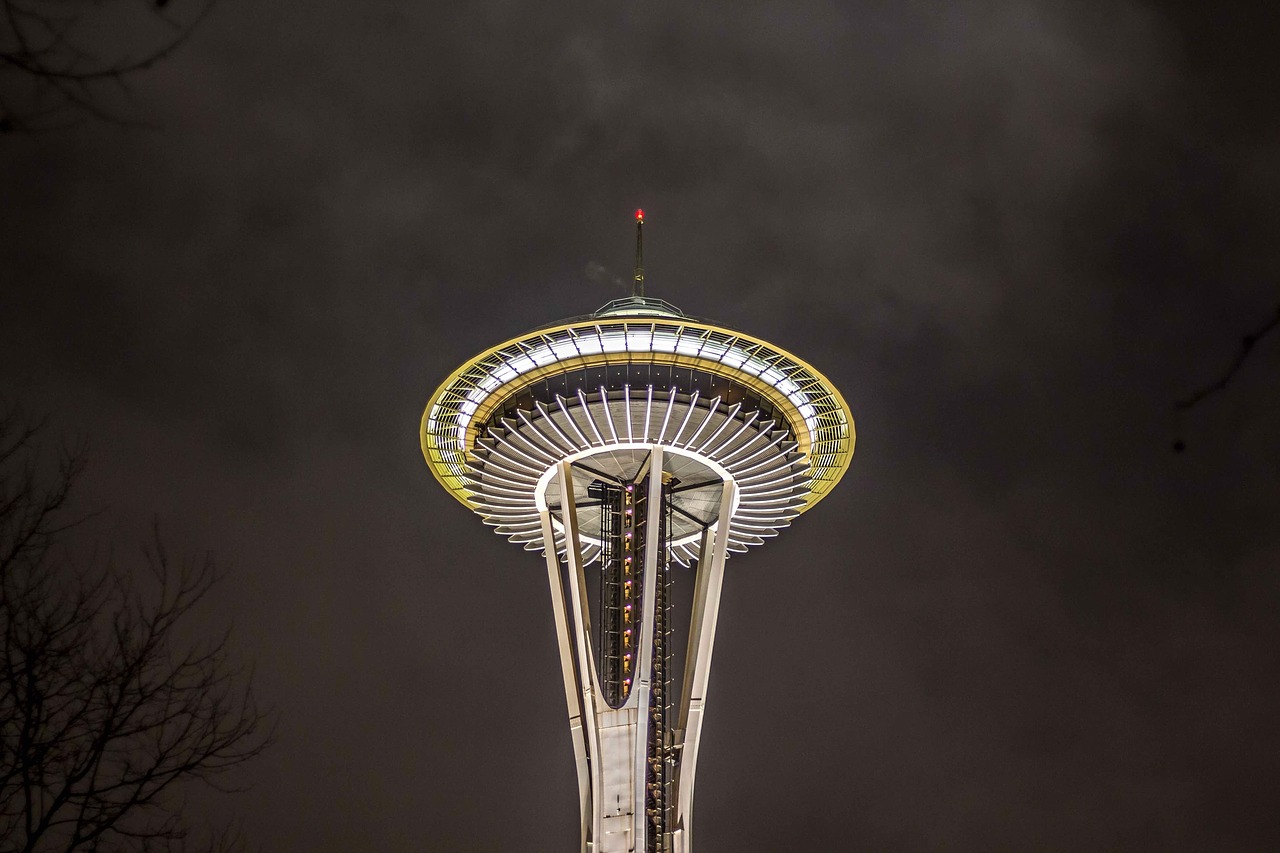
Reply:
x=635, y=768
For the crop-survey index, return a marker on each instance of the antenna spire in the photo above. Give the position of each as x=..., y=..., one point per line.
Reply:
x=637, y=286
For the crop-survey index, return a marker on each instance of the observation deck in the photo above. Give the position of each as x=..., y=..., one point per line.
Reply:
x=628, y=347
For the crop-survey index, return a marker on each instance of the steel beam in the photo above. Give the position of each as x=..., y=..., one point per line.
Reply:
x=697, y=667
x=642, y=692
x=588, y=689
x=569, y=672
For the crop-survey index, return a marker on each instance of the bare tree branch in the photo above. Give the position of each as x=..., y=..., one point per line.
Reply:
x=106, y=711
x=55, y=57
x=1247, y=344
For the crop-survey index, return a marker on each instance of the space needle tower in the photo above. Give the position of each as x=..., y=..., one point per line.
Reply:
x=636, y=448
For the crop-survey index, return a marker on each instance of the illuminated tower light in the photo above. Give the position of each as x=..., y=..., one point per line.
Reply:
x=710, y=442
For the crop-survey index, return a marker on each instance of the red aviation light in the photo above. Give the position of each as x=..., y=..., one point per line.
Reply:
x=639, y=215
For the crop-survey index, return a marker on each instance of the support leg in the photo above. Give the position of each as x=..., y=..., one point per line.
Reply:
x=697, y=670
x=569, y=671
x=587, y=682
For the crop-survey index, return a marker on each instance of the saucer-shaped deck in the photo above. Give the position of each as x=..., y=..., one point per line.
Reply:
x=601, y=390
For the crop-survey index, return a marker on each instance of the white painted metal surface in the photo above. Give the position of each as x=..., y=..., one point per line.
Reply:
x=610, y=744
x=515, y=456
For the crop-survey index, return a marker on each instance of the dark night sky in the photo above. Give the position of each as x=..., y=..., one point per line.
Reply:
x=1013, y=233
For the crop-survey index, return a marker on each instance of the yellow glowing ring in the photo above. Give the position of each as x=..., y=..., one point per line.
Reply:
x=825, y=434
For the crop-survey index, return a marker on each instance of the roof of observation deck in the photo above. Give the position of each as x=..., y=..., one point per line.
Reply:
x=628, y=330
x=627, y=306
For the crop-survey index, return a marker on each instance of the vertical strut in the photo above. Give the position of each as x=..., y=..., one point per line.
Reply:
x=582, y=636
x=644, y=673
x=658, y=789
x=569, y=671
x=697, y=668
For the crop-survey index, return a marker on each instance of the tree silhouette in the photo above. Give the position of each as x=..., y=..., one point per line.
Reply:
x=1247, y=343
x=59, y=59
x=106, y=708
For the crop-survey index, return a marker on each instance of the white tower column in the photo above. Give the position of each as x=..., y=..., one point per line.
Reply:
x=611, y=744
x=697, y=667
x=570, y=670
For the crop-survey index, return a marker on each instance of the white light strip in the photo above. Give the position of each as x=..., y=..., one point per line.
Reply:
x=693, y=404
x=728, y=419
x=627, y=337
x=608, y=414
x=715, y=404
